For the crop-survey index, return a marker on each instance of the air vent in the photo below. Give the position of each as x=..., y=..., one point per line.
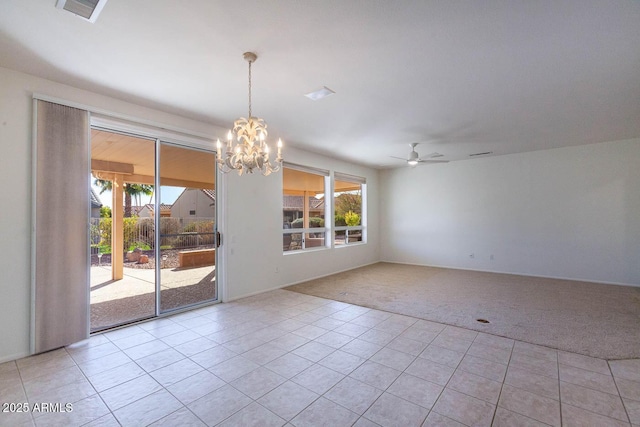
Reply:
x=481, y=154
x=87, y=9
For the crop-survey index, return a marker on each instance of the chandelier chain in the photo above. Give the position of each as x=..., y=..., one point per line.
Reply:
x=250, y=89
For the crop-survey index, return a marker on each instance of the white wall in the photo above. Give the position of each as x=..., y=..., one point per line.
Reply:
x=568, y=213
x=254, y=241
x=254, y=209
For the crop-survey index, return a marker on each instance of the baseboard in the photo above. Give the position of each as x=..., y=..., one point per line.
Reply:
x=299, y=281
x=572, y=279
x=330, y=274
x=13, y=357
x=423, y=265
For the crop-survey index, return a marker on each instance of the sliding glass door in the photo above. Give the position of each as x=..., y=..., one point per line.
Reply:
x=122, y=275
x=151, y=251
x=187, y=227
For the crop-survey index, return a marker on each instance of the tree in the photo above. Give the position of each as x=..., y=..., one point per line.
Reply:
x=348, y=202
x=130, y=190
x=105, y=212
x=137, y=191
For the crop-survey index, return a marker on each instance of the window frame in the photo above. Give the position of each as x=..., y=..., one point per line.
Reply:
x=305, y=231
x=362, y=228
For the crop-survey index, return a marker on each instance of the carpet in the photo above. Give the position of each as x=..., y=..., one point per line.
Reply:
x=593, y=319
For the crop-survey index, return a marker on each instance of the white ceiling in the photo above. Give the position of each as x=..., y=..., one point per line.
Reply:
x=460, y=76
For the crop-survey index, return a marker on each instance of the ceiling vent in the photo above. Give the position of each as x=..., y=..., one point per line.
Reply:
x=87, y=9
x=319, y=94
x=486, y=153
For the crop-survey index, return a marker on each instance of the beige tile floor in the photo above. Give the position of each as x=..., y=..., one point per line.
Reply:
x=284, y=358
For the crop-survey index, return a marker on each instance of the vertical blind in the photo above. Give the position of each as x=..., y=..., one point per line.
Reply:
x=61, y=215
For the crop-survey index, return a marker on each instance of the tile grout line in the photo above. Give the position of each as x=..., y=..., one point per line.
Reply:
x=589, y=386
x=559, y=387
x=112, y=412
x=454, y=371
x=148, y=373
x=256, y=400
x=316, y=363
x=503, y=382
x=619, y=394
x=24, y=390
x=347, y=376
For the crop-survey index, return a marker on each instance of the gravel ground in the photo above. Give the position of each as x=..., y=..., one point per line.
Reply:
x=170, y=259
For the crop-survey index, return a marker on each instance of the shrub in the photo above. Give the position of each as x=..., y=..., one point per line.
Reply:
x=130, y=231
x=199, y=227
x=94, y=231
x=105, y=212
x=104, y=227
x=352, y=219
x=145, y=230
x=204, y=229
x=339, y=220
x=136, y=233
x=169, y=226
x=142, y=245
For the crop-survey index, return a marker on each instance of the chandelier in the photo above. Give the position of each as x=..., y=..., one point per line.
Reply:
x=249, y=151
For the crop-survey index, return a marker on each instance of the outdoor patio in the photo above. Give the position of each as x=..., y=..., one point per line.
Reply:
x=133, y=297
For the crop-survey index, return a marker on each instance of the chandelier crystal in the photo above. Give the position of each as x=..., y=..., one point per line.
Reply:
x=250, y=150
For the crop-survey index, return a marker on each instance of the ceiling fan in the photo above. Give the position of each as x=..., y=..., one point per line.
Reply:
x=414, y=158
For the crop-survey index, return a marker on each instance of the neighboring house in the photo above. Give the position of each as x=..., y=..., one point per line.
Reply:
x=135, y=210
x=194, y=203
x=147, y=211
x=293, y=207
x=96, y=204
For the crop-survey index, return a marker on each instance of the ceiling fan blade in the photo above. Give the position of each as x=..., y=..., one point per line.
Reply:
x=399, y=158
x=433, y=155
x=432, y=161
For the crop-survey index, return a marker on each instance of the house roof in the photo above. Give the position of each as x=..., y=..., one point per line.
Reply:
x=95, y=199
x=210, y=193
x=163, y=208
x=295, y=203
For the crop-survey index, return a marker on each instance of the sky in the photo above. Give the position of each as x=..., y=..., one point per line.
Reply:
x=169, y=195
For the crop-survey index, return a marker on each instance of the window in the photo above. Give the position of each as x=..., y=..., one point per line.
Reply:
x=349, y=203
x=304, y=207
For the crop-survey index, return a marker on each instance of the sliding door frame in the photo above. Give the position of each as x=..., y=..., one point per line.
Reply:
x=158, y=201
x=160, y=133
x=158, y=142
